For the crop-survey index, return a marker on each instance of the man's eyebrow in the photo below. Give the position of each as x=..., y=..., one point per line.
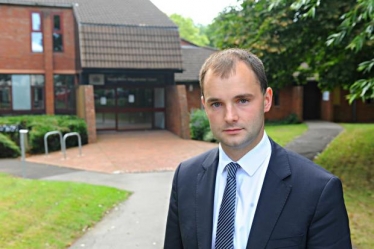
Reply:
x=240, y=96
x=243, y=96
x=210, y=100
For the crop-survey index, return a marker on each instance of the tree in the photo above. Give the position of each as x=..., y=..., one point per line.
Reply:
x=189, y=31
x=357, y=28
x=292, y=47
x=249, y=27
x=277, y=33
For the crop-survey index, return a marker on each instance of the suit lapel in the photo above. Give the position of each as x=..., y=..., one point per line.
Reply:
x=272, y=199
x=206, y=180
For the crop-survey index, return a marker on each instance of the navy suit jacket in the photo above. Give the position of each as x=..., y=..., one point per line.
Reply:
x=301, y=205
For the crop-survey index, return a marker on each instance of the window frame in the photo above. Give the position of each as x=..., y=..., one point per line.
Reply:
x=32, y=110
x=60, y=32
x=32, y=31
x=65, y=87
x=33, y=87
x=9, y=87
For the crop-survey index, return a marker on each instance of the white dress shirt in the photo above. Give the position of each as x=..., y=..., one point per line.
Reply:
x=249, y=179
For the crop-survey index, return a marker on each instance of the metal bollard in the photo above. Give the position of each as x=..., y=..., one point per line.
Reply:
x=23, y=137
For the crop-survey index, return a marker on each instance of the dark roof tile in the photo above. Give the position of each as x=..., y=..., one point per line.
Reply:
x=141, y=48
x=193, y=58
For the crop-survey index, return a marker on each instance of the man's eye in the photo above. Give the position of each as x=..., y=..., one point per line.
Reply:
x=216, y=104
x=243, y=101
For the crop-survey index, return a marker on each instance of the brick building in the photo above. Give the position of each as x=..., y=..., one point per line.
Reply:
x=114, y=62
x=307, y=102
x=111, y=62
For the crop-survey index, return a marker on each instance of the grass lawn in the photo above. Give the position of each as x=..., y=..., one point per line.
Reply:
x=283, y=134
x=49, y=214
x=350, y=156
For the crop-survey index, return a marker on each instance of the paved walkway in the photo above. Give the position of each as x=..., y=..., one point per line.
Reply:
x=314, y=141
x=140, y=221
x=128, y=152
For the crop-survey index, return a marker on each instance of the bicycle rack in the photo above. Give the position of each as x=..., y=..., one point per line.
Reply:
x=45, y=140
x=79, y=142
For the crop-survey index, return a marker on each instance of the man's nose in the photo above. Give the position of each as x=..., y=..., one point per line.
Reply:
x=231, y=114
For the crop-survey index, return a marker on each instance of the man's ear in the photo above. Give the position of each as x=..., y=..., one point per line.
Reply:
x=203, y=101
x=268, y=99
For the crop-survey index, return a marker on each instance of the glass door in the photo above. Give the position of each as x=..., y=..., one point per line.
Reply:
x=105, y=103
x=135, y=108
x=129, y=108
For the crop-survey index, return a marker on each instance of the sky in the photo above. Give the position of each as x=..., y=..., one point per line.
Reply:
x=200, y=11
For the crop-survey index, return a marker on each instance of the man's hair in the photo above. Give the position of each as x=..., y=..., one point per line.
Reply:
x=222, y=63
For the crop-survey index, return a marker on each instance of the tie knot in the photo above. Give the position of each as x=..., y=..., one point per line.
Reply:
x=231, y=169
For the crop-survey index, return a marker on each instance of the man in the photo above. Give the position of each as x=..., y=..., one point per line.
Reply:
x=250, y=192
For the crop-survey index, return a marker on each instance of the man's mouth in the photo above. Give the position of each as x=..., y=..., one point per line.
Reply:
x=232, y=131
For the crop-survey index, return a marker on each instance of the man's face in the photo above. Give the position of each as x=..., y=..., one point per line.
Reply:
x=235, y=107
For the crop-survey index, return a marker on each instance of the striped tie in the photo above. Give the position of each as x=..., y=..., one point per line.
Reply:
x=226, y=217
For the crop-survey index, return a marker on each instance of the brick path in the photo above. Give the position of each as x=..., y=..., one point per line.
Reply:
x=119, y=152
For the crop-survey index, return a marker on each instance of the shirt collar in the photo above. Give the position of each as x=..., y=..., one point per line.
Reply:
x=251, y=161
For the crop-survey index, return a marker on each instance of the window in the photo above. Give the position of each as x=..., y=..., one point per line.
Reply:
x=21, y=92
x=57, y=34
x=5, y=91
x=37, y=91
x=36, y=32
x=64, y=86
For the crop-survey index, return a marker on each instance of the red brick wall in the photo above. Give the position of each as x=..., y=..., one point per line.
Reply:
x=297, y=101
x=365, y=111
x=327, y=110
x=290, y=101
x=48, y=61
x=343, y=112
x=86, y=109
x=177, y=115
x=193, y=97
x=15, y=45
x=336, y=109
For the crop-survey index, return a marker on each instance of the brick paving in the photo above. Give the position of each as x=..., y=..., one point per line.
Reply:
x=123, y=152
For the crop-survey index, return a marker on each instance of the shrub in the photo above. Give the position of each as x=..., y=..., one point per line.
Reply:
x=8, y=148
x=208, y=137
x=39, y=125
x=199, y=124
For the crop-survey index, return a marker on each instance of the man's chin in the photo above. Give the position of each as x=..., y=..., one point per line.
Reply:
x=233, y=144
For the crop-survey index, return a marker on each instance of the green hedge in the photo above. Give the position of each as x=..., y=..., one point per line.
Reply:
x=8, y=148
x=199, y=126
x=39, y=125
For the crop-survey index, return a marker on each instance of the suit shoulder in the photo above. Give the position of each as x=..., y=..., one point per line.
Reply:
x=300, y=166
x=308, y=171
x=188, y=169
x=201, y=158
